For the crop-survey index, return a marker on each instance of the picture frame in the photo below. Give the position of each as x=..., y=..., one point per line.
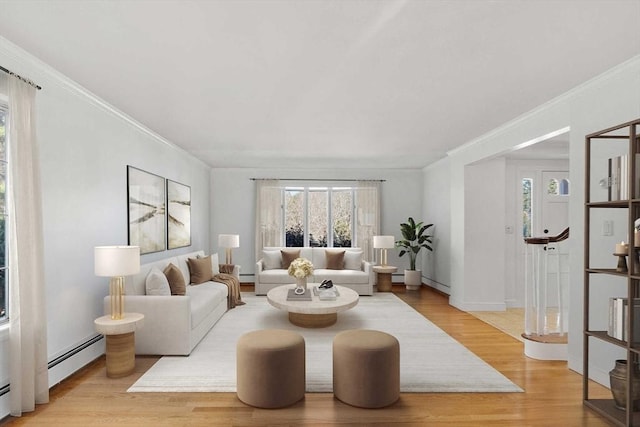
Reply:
x=178, y=215
x=146, y=215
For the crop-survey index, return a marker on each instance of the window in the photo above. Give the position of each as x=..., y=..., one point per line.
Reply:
x=318, y=216
x=3, y=213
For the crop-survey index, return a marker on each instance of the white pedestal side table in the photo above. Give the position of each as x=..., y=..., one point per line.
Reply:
x=121, y=350
x=384, y=277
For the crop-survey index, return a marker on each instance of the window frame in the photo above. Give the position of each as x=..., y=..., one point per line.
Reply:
x=305, y=190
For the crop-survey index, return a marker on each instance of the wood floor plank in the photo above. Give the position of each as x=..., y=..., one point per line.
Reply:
x=552, y=394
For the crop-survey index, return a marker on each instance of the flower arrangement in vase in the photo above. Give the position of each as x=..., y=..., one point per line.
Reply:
x=300, y=268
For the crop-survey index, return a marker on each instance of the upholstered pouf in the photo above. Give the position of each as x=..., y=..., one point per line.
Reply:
x=270, y=368
x=366, y=368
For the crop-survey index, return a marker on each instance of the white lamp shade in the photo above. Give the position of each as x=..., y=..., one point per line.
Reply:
x=384, y=242
x=229, y=240
x=112, y=261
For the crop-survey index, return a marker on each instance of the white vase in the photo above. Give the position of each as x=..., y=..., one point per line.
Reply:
x=413, y=279
x=301, y=283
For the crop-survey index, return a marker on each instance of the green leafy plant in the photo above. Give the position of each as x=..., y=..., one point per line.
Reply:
x=414, y=239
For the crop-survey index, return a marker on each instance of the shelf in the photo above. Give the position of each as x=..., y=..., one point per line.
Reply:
x=607, y=408
x=613, y=204
x=612, y=271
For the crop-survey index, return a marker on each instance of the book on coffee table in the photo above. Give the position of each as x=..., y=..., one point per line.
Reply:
x=329, y=294
x=292, y=296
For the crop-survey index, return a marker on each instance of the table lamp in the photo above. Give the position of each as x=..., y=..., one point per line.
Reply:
x=383, y=243
x=116, y=262
x=228, y=241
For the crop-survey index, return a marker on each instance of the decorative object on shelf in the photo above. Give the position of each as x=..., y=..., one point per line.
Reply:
x=116, y=262
x=229, y=241
x=622, y=250
x=414, y=239
x=178, y=215
x=383, y=243
x=618, y=380
x=300, y=268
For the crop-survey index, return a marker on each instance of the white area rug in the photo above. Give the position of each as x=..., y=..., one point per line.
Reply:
x=430, y=360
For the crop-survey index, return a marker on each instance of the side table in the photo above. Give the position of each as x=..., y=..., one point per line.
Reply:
x=384, y=277
x=121, y=350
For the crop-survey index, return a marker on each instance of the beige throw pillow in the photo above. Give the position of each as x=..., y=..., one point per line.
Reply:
x=271, y=260
x=200, y=269
x=176, y=280
x=335, y=260
x=288, y=255
x=156, y=283
x=353, y=260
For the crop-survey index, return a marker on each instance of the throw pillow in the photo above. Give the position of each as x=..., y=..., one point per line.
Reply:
x=335, y=260
x=176, y=280
x=271, y=260
x=288, y=255
x=156, y=283
x=353, y=260
x=215, y=264
x=200, y=269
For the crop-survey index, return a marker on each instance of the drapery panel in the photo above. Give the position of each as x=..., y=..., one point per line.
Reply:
x=27, y=311
x=367, y=216
x=269, y=226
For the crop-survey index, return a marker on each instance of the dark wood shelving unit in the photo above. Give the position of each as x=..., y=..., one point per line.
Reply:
x=630, y=132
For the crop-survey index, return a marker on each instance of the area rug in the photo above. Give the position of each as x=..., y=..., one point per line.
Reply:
x=430, y=360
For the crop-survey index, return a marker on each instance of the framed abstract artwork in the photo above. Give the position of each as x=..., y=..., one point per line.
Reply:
x=147, y=213
x=178, y=215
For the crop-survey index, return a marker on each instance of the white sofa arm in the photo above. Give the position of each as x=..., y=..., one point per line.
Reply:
x=167, y=323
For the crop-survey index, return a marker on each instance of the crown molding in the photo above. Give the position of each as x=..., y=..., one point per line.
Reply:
x=557, y=100
x=31, y=67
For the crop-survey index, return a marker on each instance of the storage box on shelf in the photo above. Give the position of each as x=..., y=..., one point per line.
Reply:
x=612, y=195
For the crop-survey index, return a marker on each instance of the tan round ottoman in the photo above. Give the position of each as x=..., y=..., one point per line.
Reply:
x=270, y=368
x=366, y=368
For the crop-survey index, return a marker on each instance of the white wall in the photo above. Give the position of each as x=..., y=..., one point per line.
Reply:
x=85, y=147
x=233, y=204
x=435, y=210
x=608, y=100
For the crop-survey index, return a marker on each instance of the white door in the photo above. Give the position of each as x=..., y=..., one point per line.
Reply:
x=554, y=206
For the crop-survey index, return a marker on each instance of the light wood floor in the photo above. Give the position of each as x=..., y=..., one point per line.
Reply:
x=552, y=394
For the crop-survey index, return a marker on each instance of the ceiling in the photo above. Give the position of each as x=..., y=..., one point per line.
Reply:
x=325, y=84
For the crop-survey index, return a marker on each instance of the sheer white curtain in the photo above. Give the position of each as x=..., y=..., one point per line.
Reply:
x=27, y=312
x=268, y=214
x=368, y=215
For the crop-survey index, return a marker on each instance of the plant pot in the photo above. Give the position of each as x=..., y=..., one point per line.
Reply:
x=413, y=279
x=618, y=378
x=301, y=283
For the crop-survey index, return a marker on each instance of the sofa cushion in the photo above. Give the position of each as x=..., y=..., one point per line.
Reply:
x=335, y=259
x=215, y=264
x=157, y=283
x=340, y=277
x=276, y=276
x=353, y=260
x=203, y=298
x=272, y=259
x=176, y=279
x=288, y=255
x=200, y=269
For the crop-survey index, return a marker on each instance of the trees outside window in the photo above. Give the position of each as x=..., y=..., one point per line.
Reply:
x=318, y=216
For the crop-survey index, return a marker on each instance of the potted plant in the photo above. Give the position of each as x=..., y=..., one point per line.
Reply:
x=414, y=239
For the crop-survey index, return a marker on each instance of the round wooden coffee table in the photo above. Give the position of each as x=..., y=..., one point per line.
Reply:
x=314, y=313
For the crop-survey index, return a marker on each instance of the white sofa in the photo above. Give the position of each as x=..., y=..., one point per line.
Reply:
x=173, y=324
x=359, y=277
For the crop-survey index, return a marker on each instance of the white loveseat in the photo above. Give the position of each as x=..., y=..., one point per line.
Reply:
x=173, y=324
x=356, y=273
